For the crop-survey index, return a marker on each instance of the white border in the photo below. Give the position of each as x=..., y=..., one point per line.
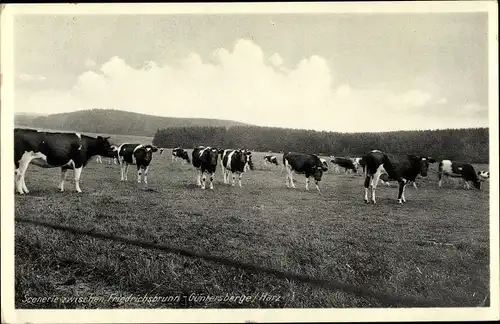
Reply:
x=10, y=315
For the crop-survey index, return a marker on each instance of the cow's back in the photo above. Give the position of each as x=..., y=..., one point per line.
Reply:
x=126, y=152
x=300, y=162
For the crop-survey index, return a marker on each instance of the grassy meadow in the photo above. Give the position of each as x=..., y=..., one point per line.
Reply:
x=433, y=248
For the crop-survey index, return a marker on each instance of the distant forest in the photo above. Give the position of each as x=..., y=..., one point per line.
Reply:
x=471, y=145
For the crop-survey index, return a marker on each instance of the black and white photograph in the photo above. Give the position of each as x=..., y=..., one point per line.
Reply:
x=270, y=158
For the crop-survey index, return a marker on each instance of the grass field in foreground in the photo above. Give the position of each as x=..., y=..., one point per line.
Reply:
x=434, y=247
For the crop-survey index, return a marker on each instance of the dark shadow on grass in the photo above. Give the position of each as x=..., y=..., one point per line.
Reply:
x=385, y=299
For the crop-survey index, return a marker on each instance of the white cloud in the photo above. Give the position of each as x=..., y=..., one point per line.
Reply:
x=31, y=77
x=276, y=59
x=238, y=86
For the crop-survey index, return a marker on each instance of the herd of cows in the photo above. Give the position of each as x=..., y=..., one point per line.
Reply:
x=74, y=150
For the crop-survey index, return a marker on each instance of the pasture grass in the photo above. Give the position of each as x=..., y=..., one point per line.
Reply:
x=434, y=247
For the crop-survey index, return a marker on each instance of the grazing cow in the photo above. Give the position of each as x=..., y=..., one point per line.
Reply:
x=308, y=164
x=462, y=170
x=181, y=154
x=204, y=159
x=138, y=154
x=271, y=159
x=344, y=162
x=52, y=150
x=403, y=170
x=235, y=162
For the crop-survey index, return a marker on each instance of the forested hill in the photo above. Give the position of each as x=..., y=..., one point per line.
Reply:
x=470, y=144
x=115, y=122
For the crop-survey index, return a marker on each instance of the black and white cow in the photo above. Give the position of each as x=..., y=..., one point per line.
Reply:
x=344, y=162
x=400, y=169
x=204, y=159
x=135, y=154
x=462, y=170
x=53, y=150
x=179, y=153
x=307, y=164
x=235, y=162
x=270, y=159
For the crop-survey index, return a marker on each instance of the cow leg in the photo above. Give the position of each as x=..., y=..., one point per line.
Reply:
x=25, y=189
x=23, y=166
x=78, y=173
x=239, y=179
x=374, y=184
x=466, y=185
x=403, y=196
x=291, y=179
x=139, y=175
x=232, y=177
x=211, y=181
x=122, y=169
x=146, y=175
x=63, y=177
x=287, y=176
x=316, y=182
x=440, y=178
x=415, y=185
x=198, y=177
x=367, y=185
x=126, y=171
x=203, y=180
x=401, y=192
x=307, y=183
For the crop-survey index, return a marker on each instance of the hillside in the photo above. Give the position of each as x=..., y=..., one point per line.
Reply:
x=115, y=122
x=25, y=119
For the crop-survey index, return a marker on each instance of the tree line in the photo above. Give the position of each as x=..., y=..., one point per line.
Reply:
x=470, y=145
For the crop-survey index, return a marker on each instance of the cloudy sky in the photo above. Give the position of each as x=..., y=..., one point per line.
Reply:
x=337, y=72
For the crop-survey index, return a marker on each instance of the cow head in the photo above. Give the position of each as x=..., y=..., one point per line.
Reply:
x=104, y=148
x=324, y=164
x=420, y=164
x=214, y=154
x=148, y=152
x=483, y=175
x=318, y=172
x=248, y=157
